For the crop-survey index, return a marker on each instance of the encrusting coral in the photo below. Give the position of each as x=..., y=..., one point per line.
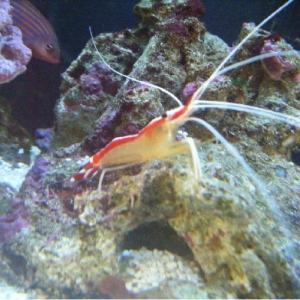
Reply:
x=14, y=55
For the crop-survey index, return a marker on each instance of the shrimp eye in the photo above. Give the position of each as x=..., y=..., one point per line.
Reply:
x=49, y=48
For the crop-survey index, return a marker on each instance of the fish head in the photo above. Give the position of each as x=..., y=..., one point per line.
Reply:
x=47, y=50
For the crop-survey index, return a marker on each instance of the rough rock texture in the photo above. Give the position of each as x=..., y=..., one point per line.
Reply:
x=221, y=237
x=17, y=154
x=14, y=55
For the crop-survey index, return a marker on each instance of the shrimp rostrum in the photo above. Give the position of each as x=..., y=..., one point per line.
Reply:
x=157, y=140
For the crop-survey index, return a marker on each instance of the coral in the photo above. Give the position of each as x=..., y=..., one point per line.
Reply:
x=277, y=65
x=14, y=55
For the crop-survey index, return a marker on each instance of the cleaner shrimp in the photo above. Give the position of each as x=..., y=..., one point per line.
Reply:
x=157, y=140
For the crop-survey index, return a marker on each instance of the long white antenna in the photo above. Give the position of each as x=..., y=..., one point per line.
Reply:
x=202, y=89
x=131, y=78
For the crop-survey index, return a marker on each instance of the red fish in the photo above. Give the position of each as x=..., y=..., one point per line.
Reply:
x=38, y=34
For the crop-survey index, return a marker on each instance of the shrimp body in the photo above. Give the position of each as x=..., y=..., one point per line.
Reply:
x=155, y=141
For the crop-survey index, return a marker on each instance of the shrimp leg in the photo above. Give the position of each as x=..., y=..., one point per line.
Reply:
x=178, y=147
x=108, y=170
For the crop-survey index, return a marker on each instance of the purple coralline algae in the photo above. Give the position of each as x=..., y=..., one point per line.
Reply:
x=97, y=80
x=43, y=138
x=277, y=65
x=13, y=221
x=189, y=89
x=36, y=174
x=14, y=55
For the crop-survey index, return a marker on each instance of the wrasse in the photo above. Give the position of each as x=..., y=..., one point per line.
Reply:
x=38, y=34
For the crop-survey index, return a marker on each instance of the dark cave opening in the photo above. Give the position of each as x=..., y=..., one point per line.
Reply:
x=156, y=235
x=295, y=155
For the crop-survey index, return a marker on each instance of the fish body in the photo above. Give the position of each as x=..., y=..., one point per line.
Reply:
x=38, y=34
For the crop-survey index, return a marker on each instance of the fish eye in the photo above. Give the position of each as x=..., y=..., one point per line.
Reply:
x=49, y=48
